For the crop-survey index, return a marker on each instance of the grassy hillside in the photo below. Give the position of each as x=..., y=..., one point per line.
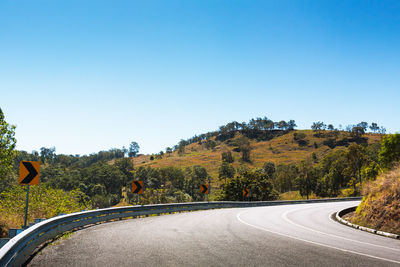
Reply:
x=380, y=207
x=279, y=150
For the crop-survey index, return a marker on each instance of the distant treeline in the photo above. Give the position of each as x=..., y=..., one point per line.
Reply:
x=261, y=129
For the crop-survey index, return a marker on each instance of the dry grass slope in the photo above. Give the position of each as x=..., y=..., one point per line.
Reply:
x=380, y=207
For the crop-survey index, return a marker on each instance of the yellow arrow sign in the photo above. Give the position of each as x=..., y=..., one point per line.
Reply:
x=137, y=187
x=246, y=192
x=204, y=189
x=29, y=172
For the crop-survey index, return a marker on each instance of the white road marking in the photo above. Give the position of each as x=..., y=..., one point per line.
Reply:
x=284, y=216
x=308, y=241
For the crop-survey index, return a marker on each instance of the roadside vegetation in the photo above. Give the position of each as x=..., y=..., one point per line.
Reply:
x=271, y=159
x=380, y=207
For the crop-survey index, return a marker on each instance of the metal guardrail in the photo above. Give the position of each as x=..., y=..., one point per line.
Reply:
x=18, y=250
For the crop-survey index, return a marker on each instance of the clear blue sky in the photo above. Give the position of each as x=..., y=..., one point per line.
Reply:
x=86, y=76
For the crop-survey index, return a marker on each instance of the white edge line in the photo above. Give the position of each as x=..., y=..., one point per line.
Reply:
x=311, y=242
x=332, y=235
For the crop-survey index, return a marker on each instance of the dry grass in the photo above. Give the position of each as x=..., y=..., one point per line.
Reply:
x=380, y=207
x=295, y=195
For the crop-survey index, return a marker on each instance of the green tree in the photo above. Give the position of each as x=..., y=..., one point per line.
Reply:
x=318, y=126
x=7, y=146
x=356, y=157
x=282, y=125
x=374, y=127
x=245, y=149
x=133, y=149
x=168, y=150
x=181, y=147
x=285, y=176
x=269, y=169
x=357, y=131
x=227, y=157
x=47, y=155
x=256, y=180
x=306, y=180
x=390, y=150
x=363, y=125
x=195, y=177
x=125, y=165
x=226, y=171
x=291, y=125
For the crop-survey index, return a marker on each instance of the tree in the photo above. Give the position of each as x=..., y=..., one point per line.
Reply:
x=168, y=150
x=291, y=125
x=300, y=139
x=255, y=180
x=269, y=169
x=7, y=146
x=245, y=149
x=133, y=149
x=282, y=125
x=284, y=177
x=227, y=157
x=181, y=147
x=357, y=132
x=318, y=126
x=196, y=176
x=306, y=179
x=47, y=154
x=125, y=165
x=363, y=125
x=356, y=157
x=374, y=127
x=390, y=150
x=226, y=171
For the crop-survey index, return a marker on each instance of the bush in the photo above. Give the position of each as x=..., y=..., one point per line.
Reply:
x=390, y=150
x=3, y=229
x=300, y=139
x=44, y=202
x=331, y=143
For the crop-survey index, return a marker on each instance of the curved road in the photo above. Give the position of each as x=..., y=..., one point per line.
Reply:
x=291, y=235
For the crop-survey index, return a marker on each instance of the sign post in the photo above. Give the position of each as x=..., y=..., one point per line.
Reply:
x=28, y=175
x=26, y=207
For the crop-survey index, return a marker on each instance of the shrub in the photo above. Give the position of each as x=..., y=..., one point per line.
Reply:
x=44, y=202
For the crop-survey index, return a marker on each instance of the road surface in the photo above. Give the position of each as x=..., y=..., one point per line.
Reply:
x=290, y=235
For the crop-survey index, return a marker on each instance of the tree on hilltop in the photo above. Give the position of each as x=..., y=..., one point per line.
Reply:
x=168, y=150
x=133, y=149
x=363, y=125
x=374, y=127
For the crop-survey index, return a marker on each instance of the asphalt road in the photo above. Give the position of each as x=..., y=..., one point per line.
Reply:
x=291, y=235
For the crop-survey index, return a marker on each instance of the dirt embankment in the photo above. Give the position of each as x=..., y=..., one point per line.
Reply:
x=380, y=207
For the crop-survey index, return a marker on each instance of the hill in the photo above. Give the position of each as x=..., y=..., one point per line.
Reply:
x=286, y=148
